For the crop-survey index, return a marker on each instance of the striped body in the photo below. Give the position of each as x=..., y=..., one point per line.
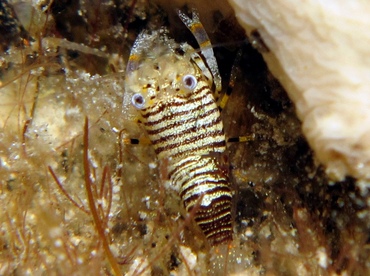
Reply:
x=204, y=185
x=186, y=131
x=184, y=125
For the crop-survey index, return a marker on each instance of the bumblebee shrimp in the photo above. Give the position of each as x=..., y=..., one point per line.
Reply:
x=175, y=91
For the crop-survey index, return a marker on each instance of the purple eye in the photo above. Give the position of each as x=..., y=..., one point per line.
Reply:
x=138, y=101
x=189, y=81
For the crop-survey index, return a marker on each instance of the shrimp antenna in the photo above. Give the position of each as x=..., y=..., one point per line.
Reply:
x=200, y=34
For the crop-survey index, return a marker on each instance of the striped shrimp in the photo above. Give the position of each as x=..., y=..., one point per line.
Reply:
x=174, y=91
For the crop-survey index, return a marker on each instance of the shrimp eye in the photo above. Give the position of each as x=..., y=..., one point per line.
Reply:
x=189, y=81
x=138, y=101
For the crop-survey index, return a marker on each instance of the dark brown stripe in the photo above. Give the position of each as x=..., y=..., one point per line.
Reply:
x=197, y=166
x=216, y=225
x=178, y=136
x=147, y=110
x=220, y=215
x=181, y=122
x=212, y=228
x=211, y=180
x=214, y=219
x=225, y=198
x=219, y=229
x=220, y=236
x=146, y=113
x=189, y=191
x=180, y=167
x=216, y=203
x=212, y=147
x=190, y=141
x=178, y=114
